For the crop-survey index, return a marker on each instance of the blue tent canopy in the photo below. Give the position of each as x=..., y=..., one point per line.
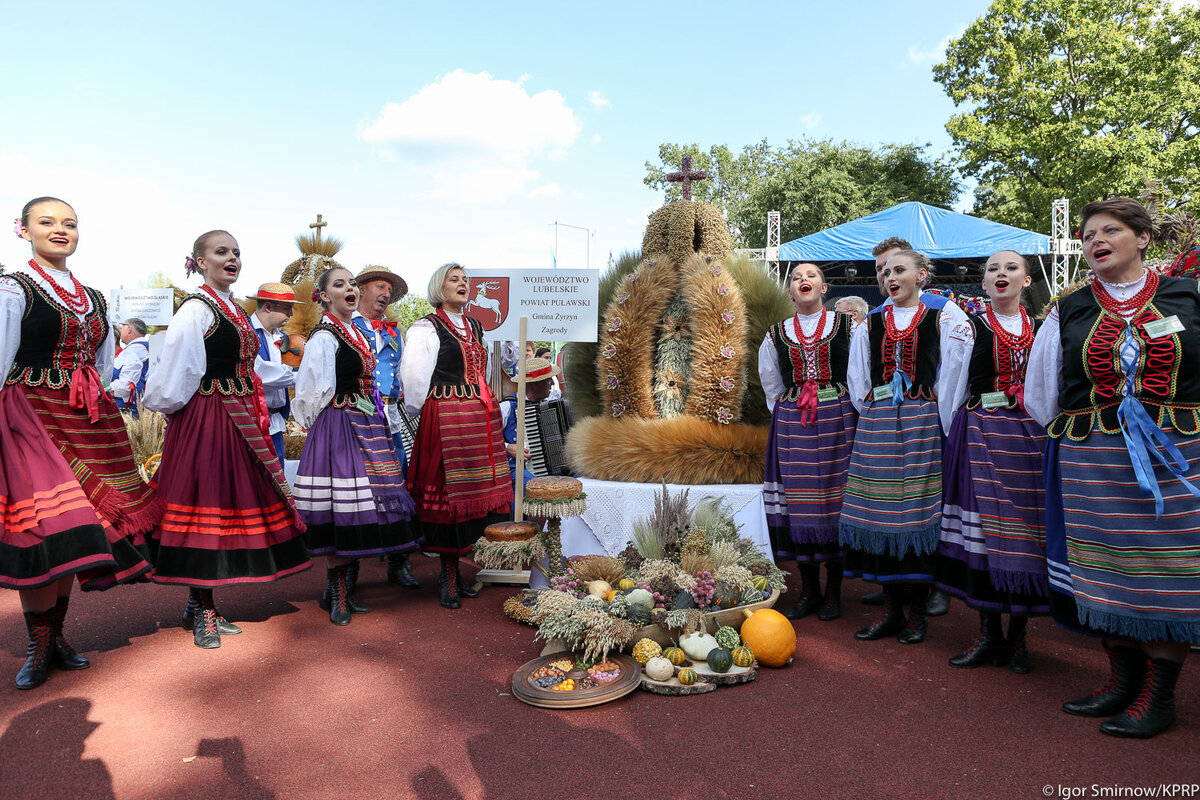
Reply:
x=936, y=232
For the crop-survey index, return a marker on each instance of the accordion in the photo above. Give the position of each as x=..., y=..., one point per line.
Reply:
x=546, y=426
x=408, y=429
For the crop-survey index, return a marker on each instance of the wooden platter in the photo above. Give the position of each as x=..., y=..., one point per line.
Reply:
x=526, y=689
x=674, y=688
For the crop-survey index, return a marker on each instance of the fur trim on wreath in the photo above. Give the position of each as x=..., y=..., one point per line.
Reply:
x=719, y=351
x=682, y=450
x=626, y=364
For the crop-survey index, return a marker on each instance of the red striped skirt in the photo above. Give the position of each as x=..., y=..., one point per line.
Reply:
x=459, y=471
x=71, y=498
x=229, y=517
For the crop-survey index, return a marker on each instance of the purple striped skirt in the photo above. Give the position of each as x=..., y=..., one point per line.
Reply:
x=805, y=479
x=992, y=552
x=349, y=487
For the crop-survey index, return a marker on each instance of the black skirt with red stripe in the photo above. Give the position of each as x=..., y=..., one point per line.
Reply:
x=230, y=517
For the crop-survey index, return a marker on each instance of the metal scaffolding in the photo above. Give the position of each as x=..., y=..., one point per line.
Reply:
x=767, y=257
x=1064, y=250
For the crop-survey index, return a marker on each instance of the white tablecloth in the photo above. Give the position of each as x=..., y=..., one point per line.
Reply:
x=607, y=524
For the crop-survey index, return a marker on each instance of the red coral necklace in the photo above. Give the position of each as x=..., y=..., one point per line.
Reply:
x=1130, y=307
x=75, y=300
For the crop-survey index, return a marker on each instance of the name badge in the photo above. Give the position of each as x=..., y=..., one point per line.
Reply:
x=394, y=342
x=882, y=392
x=365, y=405
x=828, y=393
x=1163, y=327
x=993, y=400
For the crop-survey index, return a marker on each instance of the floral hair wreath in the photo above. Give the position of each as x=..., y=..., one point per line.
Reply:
x=18, y=227
x=190, y=267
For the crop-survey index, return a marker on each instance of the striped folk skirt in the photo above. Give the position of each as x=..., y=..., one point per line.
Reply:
x=1116, y=570
x=349, y=487
x=71, y=499
x=229, y=516
x=805, y=479
x=992, y=552
x=892, y=509
x=458, y=476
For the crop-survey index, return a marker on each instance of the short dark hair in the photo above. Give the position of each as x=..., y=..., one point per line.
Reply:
x=891, y=243
x=137, y=324
x=1126, y=209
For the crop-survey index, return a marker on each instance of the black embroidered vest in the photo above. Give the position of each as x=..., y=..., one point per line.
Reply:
x=55, y=341
x=1167, y=374
x=457, y=358
x=833, y=357
x=229, y=352
x=920, y=353
x=353, y=377
x=990, y=369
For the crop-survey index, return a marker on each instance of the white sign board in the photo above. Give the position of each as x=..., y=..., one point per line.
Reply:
x=152, y=306
x=560, y=304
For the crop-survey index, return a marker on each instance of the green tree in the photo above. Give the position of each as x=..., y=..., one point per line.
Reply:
x=814, y=184
x=409, y=309
x=1074, y=98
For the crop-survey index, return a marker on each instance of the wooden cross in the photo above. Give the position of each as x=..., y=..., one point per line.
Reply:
x=318, y=225
x=685, y=176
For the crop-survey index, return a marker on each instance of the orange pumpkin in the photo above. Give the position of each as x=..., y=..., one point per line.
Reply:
x=770, y=635
x=291, y=346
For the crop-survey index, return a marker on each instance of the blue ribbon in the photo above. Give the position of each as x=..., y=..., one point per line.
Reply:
x=1143, y=438
x=900, y=385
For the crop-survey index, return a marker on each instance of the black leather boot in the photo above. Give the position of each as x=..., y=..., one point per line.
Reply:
x=205, y=632
x=914, y=631
x=39, y=651
x=937, y=604
x=872, y=599
x=890, y=622
x=399, y=573
x=810, y=588
x=988, y=647
x=1125, y=679
x=1018, y=654
x=1153, y=711
x=351, y=576
x=324, y=604
x=64, y=656
x=831, y=606
x=464, y=589
x=339, y=607
x=448, y=583
x=224, y=626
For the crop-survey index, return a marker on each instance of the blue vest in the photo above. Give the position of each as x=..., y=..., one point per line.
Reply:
x=931, y=300
x=139, y=387
x=264, y=352
x=387, y=360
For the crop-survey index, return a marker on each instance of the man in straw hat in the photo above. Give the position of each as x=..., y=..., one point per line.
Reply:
x=539, y=381
x=275, y=304
x=378, y=288
x=131, y=364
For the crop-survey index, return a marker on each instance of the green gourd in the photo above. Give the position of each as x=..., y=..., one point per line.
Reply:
x=719, y=659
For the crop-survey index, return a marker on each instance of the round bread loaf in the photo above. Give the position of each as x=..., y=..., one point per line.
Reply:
x=510, y=531
x=555, y=487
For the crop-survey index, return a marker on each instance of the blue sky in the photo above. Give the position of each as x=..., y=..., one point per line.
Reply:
x=426, y=133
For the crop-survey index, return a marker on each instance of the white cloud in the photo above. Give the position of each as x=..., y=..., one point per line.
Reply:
x=597, y=138
x=598, y=100
x=934, y=54
x=547, y=190
x=475, y=135
x=810, y=121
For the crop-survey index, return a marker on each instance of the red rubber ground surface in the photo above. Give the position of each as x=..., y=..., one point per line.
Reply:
x=413, y=701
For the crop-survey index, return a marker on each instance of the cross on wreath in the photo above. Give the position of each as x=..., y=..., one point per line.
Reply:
x=686, y=175
x=318, y=225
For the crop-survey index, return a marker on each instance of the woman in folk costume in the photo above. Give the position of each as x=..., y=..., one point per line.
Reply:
x=802, y=363
x=992, y=552
x=1113, y=376
x=72, y=504
x=349, y=484
x=229, y=516
x=892, y=508
x=458, y=476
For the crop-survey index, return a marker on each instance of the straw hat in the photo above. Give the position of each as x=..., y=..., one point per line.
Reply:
x=540, y=369
x=278, y=292
x=377, y=273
